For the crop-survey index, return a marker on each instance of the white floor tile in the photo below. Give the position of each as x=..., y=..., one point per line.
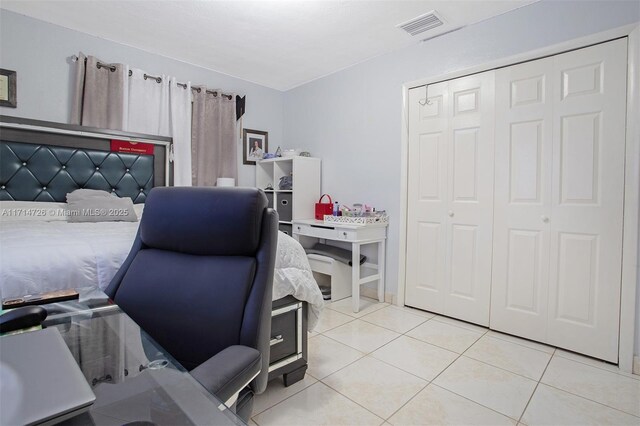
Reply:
x=416, y=357
x=614, y=390
x=378, y=387
x=550, y=406
x=317, y=405
x=395, y=319
x=500, y=390
x=366, y=306
x=462, y=324
x=437, y=406
x=524, y=342
x=510, y=356
x=446, y=336
x=419, y=312
x=327, y=356
x=362, y=335
x=331, y=319
x=277, y=392
x=594, y=363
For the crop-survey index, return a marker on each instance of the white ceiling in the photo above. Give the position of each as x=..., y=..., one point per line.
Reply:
x=279, y=44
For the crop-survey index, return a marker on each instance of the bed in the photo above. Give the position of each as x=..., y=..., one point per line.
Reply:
x=41, y=250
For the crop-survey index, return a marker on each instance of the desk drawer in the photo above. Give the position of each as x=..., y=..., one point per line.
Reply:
x=346, y=235
x=316, y=231
x=283, y=336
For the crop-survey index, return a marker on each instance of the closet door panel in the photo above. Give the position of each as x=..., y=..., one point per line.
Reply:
x=587, y=199
x=427, y=197
x=522, y=199
x=470, y=204
x=450, y=193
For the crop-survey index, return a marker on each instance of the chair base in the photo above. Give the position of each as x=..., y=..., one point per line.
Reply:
x=244, y=404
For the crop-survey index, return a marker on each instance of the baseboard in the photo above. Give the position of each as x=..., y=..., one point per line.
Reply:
x=372, y=293
x=636, y=365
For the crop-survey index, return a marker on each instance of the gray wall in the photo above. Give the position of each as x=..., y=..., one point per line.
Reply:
x=352, y=119
x=39, y=52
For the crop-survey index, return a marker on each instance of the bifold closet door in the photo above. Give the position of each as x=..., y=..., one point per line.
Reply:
x=560, y=140
x=523, y=156
x=587, y=199
x=450, y=192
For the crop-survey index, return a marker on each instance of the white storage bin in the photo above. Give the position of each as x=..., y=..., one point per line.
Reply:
x=339, y=274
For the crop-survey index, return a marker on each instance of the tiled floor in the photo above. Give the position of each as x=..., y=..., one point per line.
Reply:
x=400, y=366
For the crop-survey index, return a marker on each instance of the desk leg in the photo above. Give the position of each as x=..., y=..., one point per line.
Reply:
x=355, y=277
x=381, y=264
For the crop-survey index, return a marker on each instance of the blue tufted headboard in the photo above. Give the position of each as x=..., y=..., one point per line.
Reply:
x=35, y=172
x=43, y=161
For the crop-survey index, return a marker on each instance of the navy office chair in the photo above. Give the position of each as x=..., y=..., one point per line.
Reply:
x=199, y=281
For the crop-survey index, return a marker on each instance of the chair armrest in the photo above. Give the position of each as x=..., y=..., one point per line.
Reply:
x=229, y=371
x=19, y=318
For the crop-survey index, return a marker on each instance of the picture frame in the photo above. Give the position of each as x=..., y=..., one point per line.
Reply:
x=255, y=144
x=8, y=96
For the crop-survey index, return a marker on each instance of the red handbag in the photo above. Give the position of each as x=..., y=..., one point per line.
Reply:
x=323, y=208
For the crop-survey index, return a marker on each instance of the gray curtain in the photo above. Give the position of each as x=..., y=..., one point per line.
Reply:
x=213, y=141
x=101, y=94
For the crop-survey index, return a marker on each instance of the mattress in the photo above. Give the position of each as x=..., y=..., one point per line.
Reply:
x=39, y=256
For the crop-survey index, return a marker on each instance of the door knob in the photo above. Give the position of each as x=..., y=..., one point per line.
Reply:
x=450, y=213
x=544, y=218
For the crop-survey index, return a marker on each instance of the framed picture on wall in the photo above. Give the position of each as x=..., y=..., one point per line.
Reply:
x=8, y=96
x=255, y=144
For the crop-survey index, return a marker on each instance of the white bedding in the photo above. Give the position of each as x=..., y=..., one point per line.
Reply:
x=37, y=257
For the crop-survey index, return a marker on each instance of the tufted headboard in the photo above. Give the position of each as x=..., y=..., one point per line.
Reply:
x=43, y=161
x=33, y=172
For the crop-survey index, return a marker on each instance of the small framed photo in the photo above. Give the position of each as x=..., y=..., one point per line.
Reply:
x=8, y=96
x=255, y=144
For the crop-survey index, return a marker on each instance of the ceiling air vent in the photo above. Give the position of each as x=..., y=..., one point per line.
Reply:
x=422, y=23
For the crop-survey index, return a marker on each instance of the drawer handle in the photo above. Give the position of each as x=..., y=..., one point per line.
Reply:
x=322, y=227
x=276, y=340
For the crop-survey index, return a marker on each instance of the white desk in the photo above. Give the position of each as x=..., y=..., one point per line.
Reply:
x=357, y=235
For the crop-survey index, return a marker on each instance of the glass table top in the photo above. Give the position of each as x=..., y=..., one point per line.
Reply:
x=133, y=378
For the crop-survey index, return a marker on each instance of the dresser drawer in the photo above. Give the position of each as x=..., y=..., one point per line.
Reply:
x=284, y=336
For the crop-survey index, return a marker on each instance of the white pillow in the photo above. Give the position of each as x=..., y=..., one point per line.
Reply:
x=138, y=208
x=102, y=209
x=87, y=194
x=12, y=211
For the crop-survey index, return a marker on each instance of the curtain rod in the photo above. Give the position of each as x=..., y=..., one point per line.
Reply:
x=112, y=68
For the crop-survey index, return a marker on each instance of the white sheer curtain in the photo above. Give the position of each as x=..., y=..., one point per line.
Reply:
x=180, y=122
x=148, y=109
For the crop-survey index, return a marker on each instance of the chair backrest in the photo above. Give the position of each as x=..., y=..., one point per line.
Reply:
x=199, y=276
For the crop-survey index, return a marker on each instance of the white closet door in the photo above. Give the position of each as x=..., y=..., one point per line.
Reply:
x=427, y=197
x=587, y=199
x=524, y=124
x=470, y=198
x=451, y=198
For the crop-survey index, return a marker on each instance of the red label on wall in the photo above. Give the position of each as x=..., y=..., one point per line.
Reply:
x=131, y=147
